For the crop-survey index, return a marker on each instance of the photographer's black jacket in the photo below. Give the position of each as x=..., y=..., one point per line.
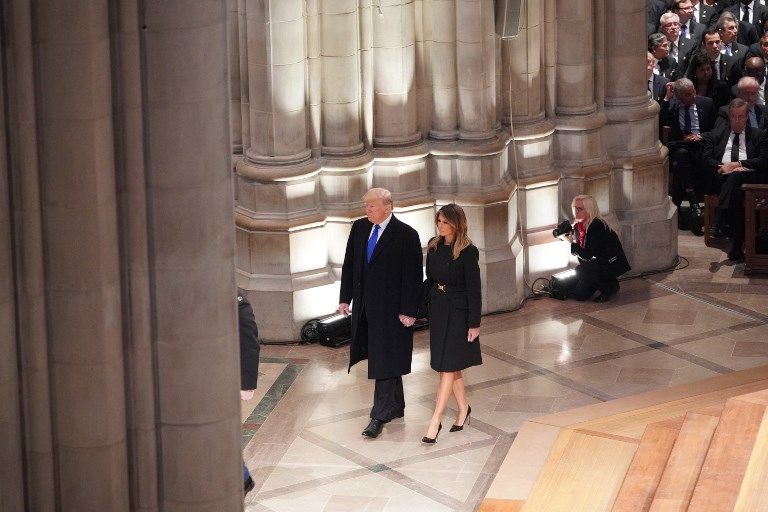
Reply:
x=602, y=244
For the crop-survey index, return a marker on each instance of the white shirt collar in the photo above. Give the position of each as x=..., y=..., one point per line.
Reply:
x=383, y=224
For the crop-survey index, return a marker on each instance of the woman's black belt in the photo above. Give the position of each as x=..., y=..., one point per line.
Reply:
x=449, y=288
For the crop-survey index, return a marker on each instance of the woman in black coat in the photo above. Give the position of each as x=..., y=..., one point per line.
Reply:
x=453, y=291
x=601, y=257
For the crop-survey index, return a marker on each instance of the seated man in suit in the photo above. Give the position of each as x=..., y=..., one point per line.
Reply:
x=657, y=84
x=679, y=47
x=734, y=154
x=689, y=27
x=747, y=89
x=746, y=32
x=658, y=45
x=688, y=116
x=728, y=29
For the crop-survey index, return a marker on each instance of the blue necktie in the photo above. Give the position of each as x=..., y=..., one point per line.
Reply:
x=372, y=243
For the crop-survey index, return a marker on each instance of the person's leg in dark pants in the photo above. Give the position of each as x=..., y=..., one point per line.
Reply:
x=388, y=399
x=683, y=160
x=587, y=278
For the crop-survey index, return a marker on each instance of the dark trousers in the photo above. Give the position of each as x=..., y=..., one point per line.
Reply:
x=684, y=159
x=592, y=276
x=388, y=399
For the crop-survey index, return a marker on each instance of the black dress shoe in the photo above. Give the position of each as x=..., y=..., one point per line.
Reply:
x=456, y=428
x=373, y=429
x=248, y=485
x=432, y=440
x=696, y=219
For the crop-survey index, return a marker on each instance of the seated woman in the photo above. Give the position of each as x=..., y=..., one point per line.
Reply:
x=601, y=257
x=701, y=72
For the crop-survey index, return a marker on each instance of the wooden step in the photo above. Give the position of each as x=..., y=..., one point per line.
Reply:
x=729, y=454
x=685, y=461
x=753, y=495
x=494, y=505
x=642, y=479
x=583, y=473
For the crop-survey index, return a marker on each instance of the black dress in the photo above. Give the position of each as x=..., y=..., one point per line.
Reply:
x=453, y=289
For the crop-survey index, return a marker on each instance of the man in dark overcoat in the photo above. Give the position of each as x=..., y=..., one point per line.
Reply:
x=381, y=279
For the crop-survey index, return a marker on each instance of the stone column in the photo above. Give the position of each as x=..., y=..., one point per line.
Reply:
x=11, y=458
x=476, y=67
x=579, y=147
x=277, y=81
x=233, y=40
x=31, y=316
x=82, y=267
x=575, y=57
x=638, y=194
x=314, y=76
x=137, y=297
x=340, y=78
x=242, y=64
x=394, y=74
x=523, y=83
x=440, y=31
x=189, y=193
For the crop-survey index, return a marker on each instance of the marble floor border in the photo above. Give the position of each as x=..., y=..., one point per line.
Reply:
x=273, y=395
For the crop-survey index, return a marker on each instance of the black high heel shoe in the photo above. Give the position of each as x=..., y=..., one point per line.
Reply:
x=432, y=440
x=456, y=428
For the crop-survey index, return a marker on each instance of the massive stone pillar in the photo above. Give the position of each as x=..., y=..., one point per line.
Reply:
x=79, y=207
x=638, y=192
x=191, y=255
x=136, y=295
x=122, y=280
x=29, y=274
x=12, y=495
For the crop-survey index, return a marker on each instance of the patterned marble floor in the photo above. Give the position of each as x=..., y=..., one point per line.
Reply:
x=301, y=431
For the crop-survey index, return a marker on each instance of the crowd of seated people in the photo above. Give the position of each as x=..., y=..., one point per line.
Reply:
x=706, y=67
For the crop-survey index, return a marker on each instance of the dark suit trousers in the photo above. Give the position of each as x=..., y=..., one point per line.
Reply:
x=591, y=276
x=684, y=158
x=388, y=397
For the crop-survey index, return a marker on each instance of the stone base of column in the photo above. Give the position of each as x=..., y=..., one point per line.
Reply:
x=443, y=134
x=398, y=141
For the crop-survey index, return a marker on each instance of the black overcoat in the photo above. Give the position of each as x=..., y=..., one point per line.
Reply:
x=602, y=245
x=249, y=345
x=454, y=309
x=388, y=286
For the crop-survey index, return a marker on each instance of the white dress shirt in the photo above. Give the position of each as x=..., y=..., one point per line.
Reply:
x=742, y=147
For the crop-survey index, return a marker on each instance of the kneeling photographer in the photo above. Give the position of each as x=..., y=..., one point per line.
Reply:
x=598, y=248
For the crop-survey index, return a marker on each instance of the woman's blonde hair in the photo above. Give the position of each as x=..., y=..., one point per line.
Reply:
x=453, y=215
x=590, y=206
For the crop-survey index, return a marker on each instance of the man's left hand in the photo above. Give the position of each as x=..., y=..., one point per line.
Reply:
x=407, y=320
